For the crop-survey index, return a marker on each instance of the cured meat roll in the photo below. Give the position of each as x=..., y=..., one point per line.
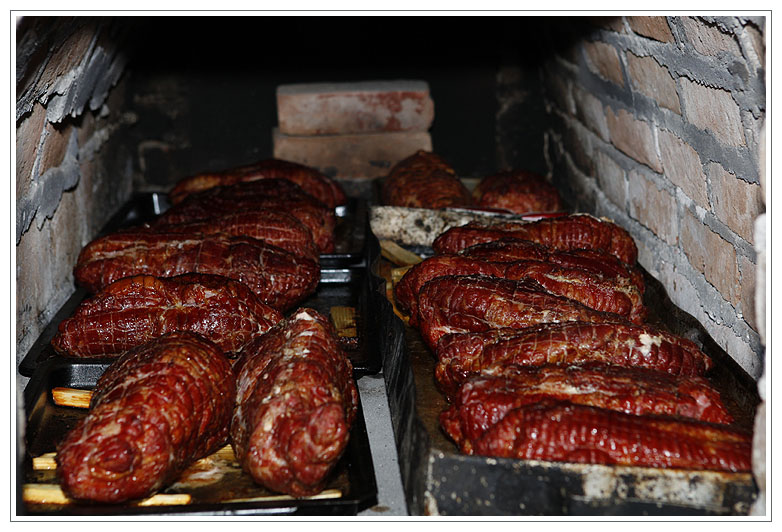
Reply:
x=278, y=195
x=484, y=400
x=617, y=295
x=566, y=432
x=313, y=182
x=597, y=262
x=295, y=403
x=620, y=344
x=275, y=227
x=563, y=233
x=475, y=303
x=517, y=191
x=157, y=409
x=135, y=310
x=424, y=180
x=277, y=277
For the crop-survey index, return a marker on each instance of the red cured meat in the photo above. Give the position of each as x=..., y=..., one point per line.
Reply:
x=277, y=277
x=424, y=180
x=156, y=410
x=135, y=310
x=563, y=233
x=484, y=400
x=296, y=401
x=315, y=183
x=565, y=432
x=621, y=344
x=517, y=191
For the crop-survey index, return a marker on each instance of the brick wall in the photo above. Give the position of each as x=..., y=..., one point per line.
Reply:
x=655, y=122
x=69, y=166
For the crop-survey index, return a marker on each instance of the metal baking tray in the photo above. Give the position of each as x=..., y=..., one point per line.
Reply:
x=47, y=424
x=343, y=281
x=439, y=480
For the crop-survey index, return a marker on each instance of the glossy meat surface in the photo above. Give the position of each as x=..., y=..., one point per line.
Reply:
x=517, y=191
x=621, y=344
x=615, y=295
x=135, y=310
x=157, y=409
x=565, y=432
x=484, y=400
x=315, y=183
x=563, y=233
x=424, y=180
x=277, y=195
x=275, y=227
x=296, y=401
x=474, y=303
x=277, y=277
x=597, y=262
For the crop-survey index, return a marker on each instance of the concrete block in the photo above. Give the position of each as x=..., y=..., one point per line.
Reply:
x=360, y=107
x=351, y=156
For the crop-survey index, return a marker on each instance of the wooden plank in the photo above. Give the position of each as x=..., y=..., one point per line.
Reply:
x=71, y=397
x=397, y=254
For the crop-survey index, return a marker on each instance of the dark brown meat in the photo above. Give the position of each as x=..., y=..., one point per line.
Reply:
x=563, y=233
x=275, y=227
x=279, y=195
x=615, y=295
x=564, y=432
x=474, y=303
x=277, y=277
x=406, y=290
x=296, y=401
x=424, y=180
x=597, y=262
x=462, y=355
x=315, y=183
x=483, y=400
x=135, y=310
x=517, y=191
x=157, y=409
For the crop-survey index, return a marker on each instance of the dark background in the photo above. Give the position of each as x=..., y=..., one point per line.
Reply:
x=204, y=87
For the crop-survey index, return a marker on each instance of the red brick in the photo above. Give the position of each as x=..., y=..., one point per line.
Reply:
x=611, y=178
x=713, y=110
x=653, y=27
x=758, y=43
x=590, y=111
x=735, y=202
x=609, y=23
x=28, y=139
x=709, y=40
x=346, y=108
x=351, y=156
x=683, y=167
x=54, y=147
x=68, y=55
x=653, y=80
x=654, y=208
x=604, y=61
x=748, y=275
x=712, y=255
x=633, y=137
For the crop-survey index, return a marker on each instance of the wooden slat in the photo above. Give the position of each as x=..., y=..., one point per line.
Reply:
x=397, y=254
x=71, y=397
x=325, y=494
x=53, y=494
x=46, y=462
x=344, y=320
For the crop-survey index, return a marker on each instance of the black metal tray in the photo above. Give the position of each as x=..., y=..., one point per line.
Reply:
x=343, y=279
x=47, y=424
x=439, y=480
